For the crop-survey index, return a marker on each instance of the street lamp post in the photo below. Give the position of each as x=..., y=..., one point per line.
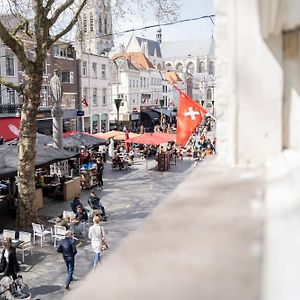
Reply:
x=161, y=102
x=118, y=104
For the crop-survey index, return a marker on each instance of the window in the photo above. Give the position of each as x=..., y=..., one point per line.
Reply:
x=100, y=24
x=179, y=67
x=67, y=77
x=95, y=96
x=84, y=68
x=208, y=95
x=137, y=83
x=141, y=82
x=190, y=68
x=94, y=69
x=91, y=22
x=129, y=82
x=11, y=96
x=10, y=65
x=211, y=69
x=144, y=81
x=105, y=26
x=103, y=71
x=45, y=70
x=44, y=95
x=84, y=23
x=133, y=83
x=147, y=82
x=0, y=94
x=104, y=96
x=202, y=67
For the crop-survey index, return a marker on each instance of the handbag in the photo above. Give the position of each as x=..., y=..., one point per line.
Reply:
x=104, y=245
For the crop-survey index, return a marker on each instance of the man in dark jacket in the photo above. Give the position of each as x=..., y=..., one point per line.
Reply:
x=68, y=250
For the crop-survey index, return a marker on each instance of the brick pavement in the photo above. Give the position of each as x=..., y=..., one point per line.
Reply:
x=128, y=196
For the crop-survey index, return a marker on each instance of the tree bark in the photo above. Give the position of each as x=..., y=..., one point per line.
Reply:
x=27, y=212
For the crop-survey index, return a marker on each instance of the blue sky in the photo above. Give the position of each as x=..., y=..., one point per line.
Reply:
x=190, y=30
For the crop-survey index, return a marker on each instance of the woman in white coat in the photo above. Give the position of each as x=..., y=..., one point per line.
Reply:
x=96, y=235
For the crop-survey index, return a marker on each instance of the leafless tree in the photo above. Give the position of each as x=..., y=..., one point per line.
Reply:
x=35, y=25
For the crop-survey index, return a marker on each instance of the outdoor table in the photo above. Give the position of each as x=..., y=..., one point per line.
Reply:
x=49, y=188
x=15, y=243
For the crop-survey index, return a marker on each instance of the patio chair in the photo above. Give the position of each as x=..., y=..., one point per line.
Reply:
x=9, y=234
x=58, y=233
x=26, y=244
x=39, y=230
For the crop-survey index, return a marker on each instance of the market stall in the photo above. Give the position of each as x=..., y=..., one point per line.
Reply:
x=88, y=175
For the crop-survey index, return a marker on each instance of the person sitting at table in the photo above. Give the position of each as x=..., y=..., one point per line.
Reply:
x=40, y=180
x=97, y=205
x=55, y=179
x=75, y=203
x=59, y=189
x=80, y=217
x=60, y=221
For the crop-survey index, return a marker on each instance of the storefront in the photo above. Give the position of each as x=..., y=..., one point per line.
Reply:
x=135, y=121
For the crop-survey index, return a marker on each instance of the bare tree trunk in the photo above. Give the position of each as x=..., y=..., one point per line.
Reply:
x=27, y=211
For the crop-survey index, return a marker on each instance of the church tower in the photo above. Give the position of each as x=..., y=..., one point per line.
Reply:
x=95, y=27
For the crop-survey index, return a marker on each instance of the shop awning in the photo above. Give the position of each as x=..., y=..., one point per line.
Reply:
x=75, y=139
x=9, y=128
x=165, y=111
x=44, y=155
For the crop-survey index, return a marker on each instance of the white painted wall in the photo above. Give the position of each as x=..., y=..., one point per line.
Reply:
x=248, y=103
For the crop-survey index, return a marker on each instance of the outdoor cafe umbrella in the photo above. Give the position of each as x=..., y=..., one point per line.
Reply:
x=108, y=135
x=149, y=139
x=44, y=155
x=77, y=139
x=122, y=136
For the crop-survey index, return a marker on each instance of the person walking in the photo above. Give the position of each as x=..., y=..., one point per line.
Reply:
x=68, y=250
x=96, y=235
x=100, y=167
x=9, y=262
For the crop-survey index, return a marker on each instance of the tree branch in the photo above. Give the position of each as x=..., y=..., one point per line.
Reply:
x=69, y=27
x=14, y=45
x=48, y=6
x=11, y=85
x=60, y=10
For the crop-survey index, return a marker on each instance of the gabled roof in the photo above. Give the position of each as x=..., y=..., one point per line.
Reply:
x=176, y=49
x=137, y=59
x=127, y=65
x=172, y=77
x=152, y=46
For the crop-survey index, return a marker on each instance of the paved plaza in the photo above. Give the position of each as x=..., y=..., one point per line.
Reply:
x=128, y=196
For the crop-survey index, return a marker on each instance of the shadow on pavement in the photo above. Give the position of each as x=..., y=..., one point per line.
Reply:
x=44, y=290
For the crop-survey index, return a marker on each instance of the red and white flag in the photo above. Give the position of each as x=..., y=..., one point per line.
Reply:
x=189, y=116
x=84, y=102
x=144, y=99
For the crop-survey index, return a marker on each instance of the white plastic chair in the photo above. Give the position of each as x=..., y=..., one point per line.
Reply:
x=39, y=230
x=9, y=234
x=58, y=233
x=26, y=238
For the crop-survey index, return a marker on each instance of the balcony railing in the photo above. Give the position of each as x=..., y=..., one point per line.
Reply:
x=9, y=108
